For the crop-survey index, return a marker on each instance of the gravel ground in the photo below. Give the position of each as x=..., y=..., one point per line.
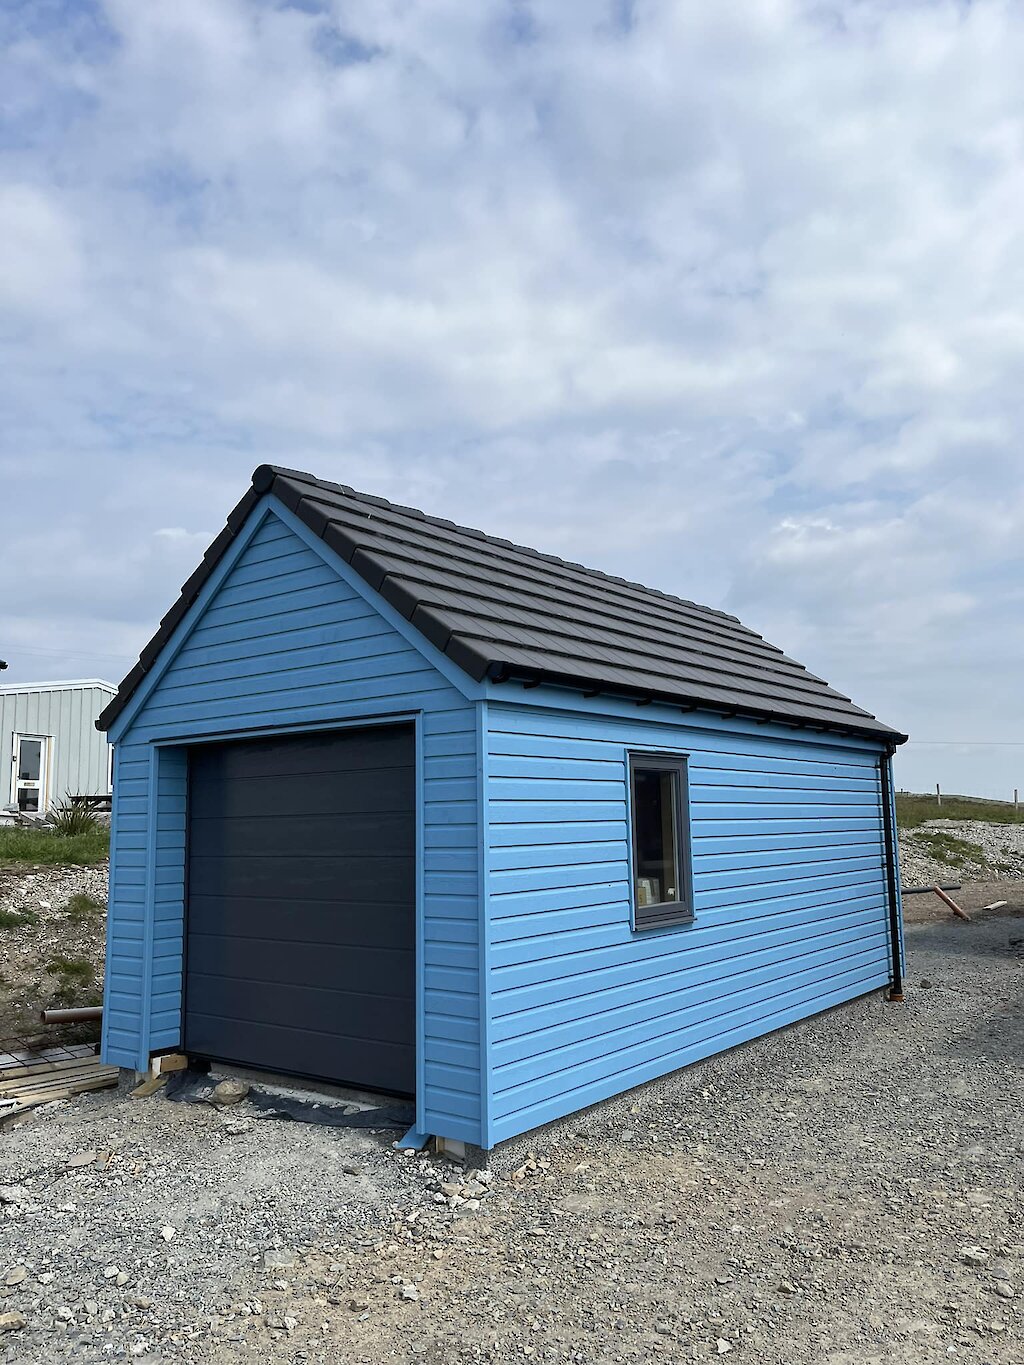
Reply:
x=974, y=897
x=848, y=1190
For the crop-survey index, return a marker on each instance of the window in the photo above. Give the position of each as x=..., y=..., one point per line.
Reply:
x=661, y=847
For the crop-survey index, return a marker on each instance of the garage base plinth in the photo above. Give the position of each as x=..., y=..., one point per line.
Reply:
x=453, y=1148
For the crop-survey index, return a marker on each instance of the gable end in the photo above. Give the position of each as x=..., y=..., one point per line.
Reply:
x=501, y=612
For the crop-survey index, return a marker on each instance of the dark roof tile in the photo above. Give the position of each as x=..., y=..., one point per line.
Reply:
x=505, y=611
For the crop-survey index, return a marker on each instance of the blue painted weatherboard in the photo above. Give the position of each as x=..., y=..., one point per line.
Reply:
x=126, y=898
x=289, y=637
x=789, y=899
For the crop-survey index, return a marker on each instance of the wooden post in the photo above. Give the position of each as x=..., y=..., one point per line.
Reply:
x=1015, y=800
x=960, y=914
x=938, y=795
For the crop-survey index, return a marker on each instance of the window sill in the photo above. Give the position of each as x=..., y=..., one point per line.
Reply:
x=675, y=920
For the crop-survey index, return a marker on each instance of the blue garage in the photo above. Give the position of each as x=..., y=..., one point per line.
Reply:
x=405, y=806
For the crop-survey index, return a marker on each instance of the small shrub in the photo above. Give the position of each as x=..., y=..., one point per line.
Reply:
x=67, y=820
x=73, y=971
x=16, y=919
x=83, y=909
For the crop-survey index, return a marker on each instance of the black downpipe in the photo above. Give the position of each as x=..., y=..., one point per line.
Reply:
x=896, y=988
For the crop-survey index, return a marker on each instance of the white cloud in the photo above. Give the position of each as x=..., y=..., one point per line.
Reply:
x=724, y=297
x=40, y=267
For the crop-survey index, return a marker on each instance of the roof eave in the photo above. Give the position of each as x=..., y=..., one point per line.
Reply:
x=500, y=672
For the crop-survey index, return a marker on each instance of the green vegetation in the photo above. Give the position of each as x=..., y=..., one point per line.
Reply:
x=947, y=848
x=17, y=919
x=70, y=820
x=18, y=845
x=73, y=971
x=83, y=909
x=913, y=810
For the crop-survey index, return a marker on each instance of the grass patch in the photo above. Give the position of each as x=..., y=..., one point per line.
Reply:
x=83, y=909
x=17, y=919
x=913, y=810
x=947, y=848
x=54, y=850
x=73, y=971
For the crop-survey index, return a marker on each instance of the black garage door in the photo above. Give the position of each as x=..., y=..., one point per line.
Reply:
x=300, y=943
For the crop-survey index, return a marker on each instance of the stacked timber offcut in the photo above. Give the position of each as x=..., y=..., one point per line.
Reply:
x=29, y=1079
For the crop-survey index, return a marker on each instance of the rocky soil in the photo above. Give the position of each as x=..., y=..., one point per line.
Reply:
x=846, y=1191
x=51, y=941
x=961, y=850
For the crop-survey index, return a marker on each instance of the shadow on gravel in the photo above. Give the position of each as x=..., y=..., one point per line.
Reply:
x=971, y=960
x=998, y=934
x=196, y=1087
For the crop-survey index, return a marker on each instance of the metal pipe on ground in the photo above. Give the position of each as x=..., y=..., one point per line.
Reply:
x=72, y=1016
x=927, y=890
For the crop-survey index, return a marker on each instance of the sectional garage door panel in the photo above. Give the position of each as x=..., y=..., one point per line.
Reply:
x=314, y=877
x=301, y=905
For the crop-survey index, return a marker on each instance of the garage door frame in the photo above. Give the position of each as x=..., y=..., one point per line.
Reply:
x=179, y=745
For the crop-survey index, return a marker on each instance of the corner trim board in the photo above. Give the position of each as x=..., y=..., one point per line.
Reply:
x=484, y=920
x=111, y=900
x=420, y=933
x=149, y=918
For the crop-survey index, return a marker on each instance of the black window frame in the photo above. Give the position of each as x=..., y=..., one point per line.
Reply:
x=665, y=914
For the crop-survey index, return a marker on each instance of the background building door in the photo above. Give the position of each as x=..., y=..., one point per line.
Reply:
x=29, y=766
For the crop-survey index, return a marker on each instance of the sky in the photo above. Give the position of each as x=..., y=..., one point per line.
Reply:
x=725, y=298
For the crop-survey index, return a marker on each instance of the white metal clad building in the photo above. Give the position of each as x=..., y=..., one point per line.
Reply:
x=49, y=744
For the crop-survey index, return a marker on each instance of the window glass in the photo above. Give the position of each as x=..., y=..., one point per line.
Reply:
x=30, y=760
x=661, y=854
x=656, y=856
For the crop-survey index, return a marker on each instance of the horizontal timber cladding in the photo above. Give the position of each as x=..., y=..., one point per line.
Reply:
x=287, y=638
x=789, y=900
